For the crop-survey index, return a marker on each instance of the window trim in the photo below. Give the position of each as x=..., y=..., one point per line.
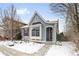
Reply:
x=36, y=23
x=36, y=31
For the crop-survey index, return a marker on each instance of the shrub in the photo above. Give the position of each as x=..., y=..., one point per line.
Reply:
x=61, y=37
x=18, y=36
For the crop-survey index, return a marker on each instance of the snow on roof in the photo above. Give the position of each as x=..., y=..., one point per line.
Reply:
x=24, y=26
x=51, y=22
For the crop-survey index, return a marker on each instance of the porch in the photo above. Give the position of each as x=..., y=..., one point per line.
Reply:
x=35, y=32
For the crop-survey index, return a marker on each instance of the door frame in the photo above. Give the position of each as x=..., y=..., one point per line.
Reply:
x=48, y=35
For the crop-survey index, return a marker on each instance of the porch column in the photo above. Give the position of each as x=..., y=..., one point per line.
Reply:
x=40, y=33
x=30, y=32
x=54, y=34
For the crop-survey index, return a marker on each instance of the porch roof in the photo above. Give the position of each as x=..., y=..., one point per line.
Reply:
x=24, y=26
x=52, y=22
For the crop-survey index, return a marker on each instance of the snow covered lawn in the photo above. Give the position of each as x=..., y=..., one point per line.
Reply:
x=30, y=47
x=66, y=49
x=61, y=49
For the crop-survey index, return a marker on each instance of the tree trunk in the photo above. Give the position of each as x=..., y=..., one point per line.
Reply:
x=76, y=16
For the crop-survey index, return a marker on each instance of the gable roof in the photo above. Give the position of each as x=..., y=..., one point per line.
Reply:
x=36, y=13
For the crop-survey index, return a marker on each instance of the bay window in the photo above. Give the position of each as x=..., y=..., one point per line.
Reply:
x=36, y=31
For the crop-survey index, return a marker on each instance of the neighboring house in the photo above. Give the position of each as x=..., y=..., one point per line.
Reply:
x=15, y=27
x=40, y=30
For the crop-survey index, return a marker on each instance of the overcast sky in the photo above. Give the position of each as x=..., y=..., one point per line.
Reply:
x=26, y=10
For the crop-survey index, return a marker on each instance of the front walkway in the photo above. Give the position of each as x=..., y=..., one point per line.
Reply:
x=12, y=52
x=42, y=51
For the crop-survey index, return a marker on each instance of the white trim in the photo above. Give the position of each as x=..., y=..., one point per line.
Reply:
x=49, y=26
x=46, y=33
x=54, y=33
x=35, y=37
x=35, y=25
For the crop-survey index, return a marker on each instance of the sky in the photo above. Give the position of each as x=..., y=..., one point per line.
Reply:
x=25, y=12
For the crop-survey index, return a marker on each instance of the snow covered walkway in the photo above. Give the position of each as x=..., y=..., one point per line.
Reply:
x=65, y=49
x=60, y=49
x=42, y=51
x=12, y=52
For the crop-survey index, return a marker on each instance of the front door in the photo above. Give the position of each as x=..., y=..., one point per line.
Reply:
x=49, y=34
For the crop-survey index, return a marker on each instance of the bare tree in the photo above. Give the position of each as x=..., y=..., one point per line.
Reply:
x=69, y=10
x=5, y=16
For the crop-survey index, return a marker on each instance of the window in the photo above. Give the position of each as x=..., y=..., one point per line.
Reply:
x=35, y=31
x=26, y=31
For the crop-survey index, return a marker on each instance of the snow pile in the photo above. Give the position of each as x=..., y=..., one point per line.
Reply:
x=2, y=42
x=67, y=49
x=27, y=47
x=61, y=49
x=5, y=42
x=1, y=54
x=9, y=43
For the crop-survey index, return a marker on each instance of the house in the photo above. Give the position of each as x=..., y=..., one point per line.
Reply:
x=40, y=30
